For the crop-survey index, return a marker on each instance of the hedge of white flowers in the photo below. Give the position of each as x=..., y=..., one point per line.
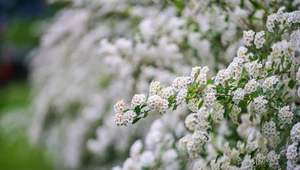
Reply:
x=227, y=112
x=255, y=99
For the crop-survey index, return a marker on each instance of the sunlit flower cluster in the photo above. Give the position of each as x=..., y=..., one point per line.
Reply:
x=227, y=113
x=246, y=117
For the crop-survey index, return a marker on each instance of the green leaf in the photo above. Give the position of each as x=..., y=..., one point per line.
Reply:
x=221, y=98
x=275, y=85
x=251, y=118
x=255, y=94
x=282, y=60
x=255, y=4
x=135, y=120
x=209, y=118
x=218, y=157
x=253, y=153
x=200, y=104
x=137, y=110
x=211, y=81
x=280, y=89
x=175, y=107
x=126, y=110
x=243, y=104
x=220, y=89
x=289, y=66
x=145, y=114
x=295, y=111
x=244, y=71
x=291, y=84
x=270, y=74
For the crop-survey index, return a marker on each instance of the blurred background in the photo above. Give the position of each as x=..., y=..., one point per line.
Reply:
x=20, y=28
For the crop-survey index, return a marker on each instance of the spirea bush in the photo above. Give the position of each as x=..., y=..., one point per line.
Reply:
x=95, y=52
x=245, y=117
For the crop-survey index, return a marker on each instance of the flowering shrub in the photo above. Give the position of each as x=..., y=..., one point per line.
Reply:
x=245, y=117
x=97, y=51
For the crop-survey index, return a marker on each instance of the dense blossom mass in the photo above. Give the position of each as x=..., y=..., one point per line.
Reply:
x=207, y=85
x=252, y=97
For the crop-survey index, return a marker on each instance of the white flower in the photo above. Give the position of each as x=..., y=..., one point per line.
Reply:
x=195, y=72
x=147, y=159
x=136, y=149
x=191, y=121
x=184, y=140
x=119, y=106
x=200, y=137
x=181, y=82
x=259, y=105
x=272, y=159
x=248, y=37
x=269, y=129
x=253, y=68
x=193, y=105
x=251, y=86
x=247, y=163
x=154, y=101
x=295, y=40
x=260, y=159
x=137, y=100
x=292, y=154
x=163, y=106
x=209, y=96
x=295, y=132
x=155, y=87
x=259, y=39
x=169, y=156
x=235, y=111
x=285, y=115
x=238, y=95
x=166, y=92
x=281, y=16
x=241, y=53
x=270, y=22
x=128, y=116
x=153, y=138
x=218, y=113
x=119, y=119
x=130, y=164
x=181, y=97
x=269, y=82
x=223, y=76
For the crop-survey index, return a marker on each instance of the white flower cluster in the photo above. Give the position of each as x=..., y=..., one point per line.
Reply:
x=158, y=149
x=223, y=76
x=282, y=18
x=252, y=86
x=259, y=39
x=125, y=44
x=238, y=95
x=269, y=82
x=199, y=74
x=248, y=37
x=257, y=83
x=138, y=99
x=295, y=133
x=272, y=159
x=120, y=117
x=270, y=132
x=259, y=105
x=285, y=115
